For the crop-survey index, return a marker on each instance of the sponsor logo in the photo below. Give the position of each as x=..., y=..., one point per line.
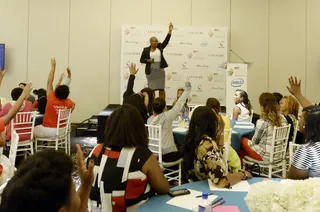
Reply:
x=221, y=44
x=237, y=82
x=230, y=72
x=195, y=33
x=204, y=44
x=195, y=77
x=186, y=43
x=174, y=54
x=169, y=76
x=199, y=88
x=190, y=55
x=217, y=88
x=215, y=55
x=202, y=66
x=211, y=33
x=154, y=31
x=210, y=77
x=132, y=53
x=127, y=31
x=184, y=66
x=130, y=41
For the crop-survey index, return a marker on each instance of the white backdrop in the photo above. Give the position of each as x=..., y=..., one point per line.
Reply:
x=193, y=53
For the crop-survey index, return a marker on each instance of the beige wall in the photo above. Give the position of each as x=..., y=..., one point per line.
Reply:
x=280, y=37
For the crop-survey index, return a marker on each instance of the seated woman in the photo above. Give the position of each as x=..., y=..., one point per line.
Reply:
x=185, y=108
x=259, y=146
x=234, y=160
x=289, y=107
x=143, y=100
x=25, y=107
x=278, y=96
x=44, y=183
x=126, y=171
x=242, y=110
x=40, y=104
x=203, y=158
x=56, y=100
x=305, y=162
x=165, y=118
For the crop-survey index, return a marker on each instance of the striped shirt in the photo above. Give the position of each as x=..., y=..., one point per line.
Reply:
x=307, y=157
x=262, y=139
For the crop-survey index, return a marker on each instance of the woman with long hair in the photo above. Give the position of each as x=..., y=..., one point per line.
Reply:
x=203, y=157
x=242, y=110
x=127, y=173
x=259, y=146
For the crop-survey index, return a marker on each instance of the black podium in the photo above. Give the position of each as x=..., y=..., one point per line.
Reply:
x=102, y=120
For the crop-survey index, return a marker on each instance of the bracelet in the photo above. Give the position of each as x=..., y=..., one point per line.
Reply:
x=245, y=177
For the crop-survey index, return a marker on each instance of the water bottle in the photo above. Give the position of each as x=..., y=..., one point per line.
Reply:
x=205, y=205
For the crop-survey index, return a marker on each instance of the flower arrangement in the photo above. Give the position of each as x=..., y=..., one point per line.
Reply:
x=286, y=195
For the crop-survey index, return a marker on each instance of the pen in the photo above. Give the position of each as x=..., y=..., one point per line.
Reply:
x=216, y=200
x=201, y=195
x=218, y=203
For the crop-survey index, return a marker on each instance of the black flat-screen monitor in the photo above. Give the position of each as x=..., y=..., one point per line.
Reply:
x=2, y=56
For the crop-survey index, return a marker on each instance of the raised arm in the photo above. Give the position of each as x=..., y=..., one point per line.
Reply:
x=60, y=80
x=16, y=107
x=2, y=73
x=167, y=39
x=181, y=101
x=295, y=90
x=51, y=76
x=133, y=71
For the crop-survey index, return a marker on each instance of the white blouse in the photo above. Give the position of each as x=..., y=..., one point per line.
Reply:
x=244, y=113
x=156, y=55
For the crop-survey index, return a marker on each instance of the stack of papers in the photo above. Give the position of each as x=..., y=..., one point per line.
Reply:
x=242, y=186
x=189, y=201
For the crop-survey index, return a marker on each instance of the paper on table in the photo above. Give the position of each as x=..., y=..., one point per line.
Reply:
x=242, y=186
x=189, y=201
x=179, y=129
x=244, y=126
x=243, y=123
x=225, y=208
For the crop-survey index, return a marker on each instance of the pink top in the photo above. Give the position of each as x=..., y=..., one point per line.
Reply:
x=26, y=107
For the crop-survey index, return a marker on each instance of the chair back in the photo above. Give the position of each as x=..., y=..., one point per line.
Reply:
x=63, y=123
x=155, y=144
x=292, y=148
x=251, y=116
x=227, y=144
x=279, y=143
x=13, y=152
x=23, y=125
x=294, y=136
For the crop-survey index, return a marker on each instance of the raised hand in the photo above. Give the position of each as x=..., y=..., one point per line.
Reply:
x=133, y=69
x=295, y=86
x=170, y=27
x=69, y=72
x=86, y=175
x=27, y=89
x=53, y=63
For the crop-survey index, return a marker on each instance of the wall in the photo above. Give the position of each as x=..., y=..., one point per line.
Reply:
x=279, y=37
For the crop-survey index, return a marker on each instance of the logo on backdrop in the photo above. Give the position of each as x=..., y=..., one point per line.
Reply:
x=132, y=53
x=210, y=33
x=221, y=45
x=195, y=33
x=199, y=88
x=169, y=76
x=202, y=66
x=174, y=54
x=195, y=77
x=184, y=66
x=204, y=44
x=210, y=77
x=215, y=55
x=154, y=31
x=237, y=82
x=127, y=31
x=230, y=72
x=190, y=55
x=218, y=88
x=131, y=42
x=186, y=43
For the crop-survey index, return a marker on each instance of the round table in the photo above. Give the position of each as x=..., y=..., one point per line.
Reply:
x=158, y=203
x=236, y=136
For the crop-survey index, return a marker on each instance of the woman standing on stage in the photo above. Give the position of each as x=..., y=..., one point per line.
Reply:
x=152, y=56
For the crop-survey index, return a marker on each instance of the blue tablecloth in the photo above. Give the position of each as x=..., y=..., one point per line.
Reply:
x=158, y=203
x=236, y=137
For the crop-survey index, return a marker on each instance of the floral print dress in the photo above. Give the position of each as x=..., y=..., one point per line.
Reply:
x=209, y=163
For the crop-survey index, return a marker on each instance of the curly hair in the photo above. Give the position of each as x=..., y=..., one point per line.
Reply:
x=270, y=109
x=292, y=105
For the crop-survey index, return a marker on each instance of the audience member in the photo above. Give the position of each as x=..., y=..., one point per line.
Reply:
x=242, y=110
x=202, y=153
x=44, y=183
x=124, y=166
x=56, y=100
x=30, y=97
x=234, y=164
x=278, y=96
x=289, y=107
x=25, y=107
x=143, y=100
x=259, y=147
x=164, y=118
x=185, y=108
x=40, y=105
